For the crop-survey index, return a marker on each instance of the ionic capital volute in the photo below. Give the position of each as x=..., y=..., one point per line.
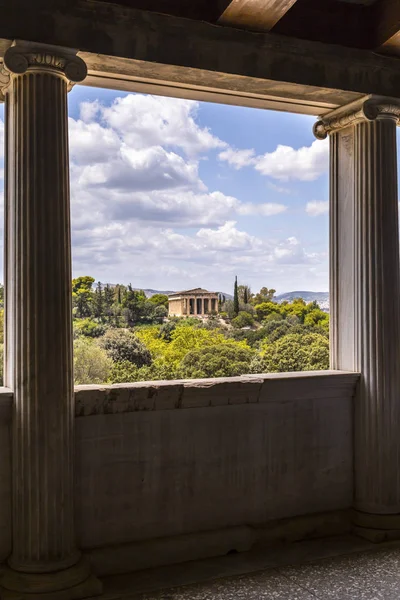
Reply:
x=368, y=108
x=28, y=57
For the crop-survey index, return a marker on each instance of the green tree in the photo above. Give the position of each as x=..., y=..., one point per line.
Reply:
x=98, y=301
x=82, y=295
x=82, y=302
x=159, y=313
x=244, y=319
x=123, y=345
x=82, y=283
x=91, y=363
x=297, y=352
x=119, y=293
x=166, y=330
x=124, y=372
x=236, y=298
x=230, y=309
x=244, y=293
x=224, y=360
x=265, y=309
x=318, y=318
x=159, y=300
x=296, y=308
x=88, y=328
x=108, y=301
x=134, y=305
x=264, y=295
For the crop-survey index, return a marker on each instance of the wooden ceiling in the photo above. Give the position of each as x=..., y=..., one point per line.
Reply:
x=365, y=24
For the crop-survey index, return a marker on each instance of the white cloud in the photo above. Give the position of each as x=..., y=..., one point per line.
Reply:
x=91, y=142
x=292, y=252
x=267, y=209
x=89, y=110
x=146, y=169
x=145, y=121
x=317, y=207
x=278, y=188
x=141, y=213
x=237, y=158
x=227, y=237
x=286, y=163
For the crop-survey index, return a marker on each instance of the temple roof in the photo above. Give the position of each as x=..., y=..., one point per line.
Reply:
x=193, y=291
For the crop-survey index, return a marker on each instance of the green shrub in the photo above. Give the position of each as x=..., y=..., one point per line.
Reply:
x=297, y=352
x=244, y=319
x=124, y=372
x=91, y=363
x=123, y=345
x=88, y=328
x=224, y=360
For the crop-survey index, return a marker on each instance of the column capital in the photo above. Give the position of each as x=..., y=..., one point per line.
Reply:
x=22, y=57
x=368, y=108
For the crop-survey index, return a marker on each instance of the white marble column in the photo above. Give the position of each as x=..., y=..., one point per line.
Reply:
x=44, y=561
x=365, y=293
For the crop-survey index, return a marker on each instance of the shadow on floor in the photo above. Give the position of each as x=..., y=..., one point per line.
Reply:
x=337, y=568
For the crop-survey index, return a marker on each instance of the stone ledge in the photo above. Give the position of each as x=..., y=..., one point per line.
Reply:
x=202, y=393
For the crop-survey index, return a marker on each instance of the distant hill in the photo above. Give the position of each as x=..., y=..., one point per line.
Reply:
x=150, y=292
x=321, y=297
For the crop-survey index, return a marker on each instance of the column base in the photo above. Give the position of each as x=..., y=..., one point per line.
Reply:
x=75, y=583
x=376, y=528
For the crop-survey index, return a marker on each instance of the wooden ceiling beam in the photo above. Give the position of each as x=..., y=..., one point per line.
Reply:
x=328, y=21
x=260, y=15
x=387, y=19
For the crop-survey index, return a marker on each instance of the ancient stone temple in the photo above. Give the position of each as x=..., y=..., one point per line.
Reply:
x=197, y=302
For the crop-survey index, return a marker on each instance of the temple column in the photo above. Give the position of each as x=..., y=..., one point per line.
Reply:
x=45, y=562
x=365, y=298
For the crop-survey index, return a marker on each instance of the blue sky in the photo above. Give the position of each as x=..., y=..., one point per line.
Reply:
x=174, y=194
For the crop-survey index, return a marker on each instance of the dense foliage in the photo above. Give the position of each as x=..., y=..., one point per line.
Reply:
x=120, y=336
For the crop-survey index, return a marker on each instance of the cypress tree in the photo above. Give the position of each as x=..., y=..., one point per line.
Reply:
x=236, y=298
x=108, y=301
x=98, y=301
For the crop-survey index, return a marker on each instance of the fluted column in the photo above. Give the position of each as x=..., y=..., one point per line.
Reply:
x=44, y=557
x=365, y=293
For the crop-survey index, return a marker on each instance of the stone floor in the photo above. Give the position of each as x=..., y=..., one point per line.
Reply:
x=351, y=570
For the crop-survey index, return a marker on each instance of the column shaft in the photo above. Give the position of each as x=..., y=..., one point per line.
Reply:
x=39, y=327
x=365, y=300
x=39, y=337
x=377, y=322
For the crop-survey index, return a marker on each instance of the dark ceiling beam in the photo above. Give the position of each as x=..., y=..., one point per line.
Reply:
x=202, y=10
x=328, y=21
x=144, y=47
x=260, y=15
x=387, y=21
